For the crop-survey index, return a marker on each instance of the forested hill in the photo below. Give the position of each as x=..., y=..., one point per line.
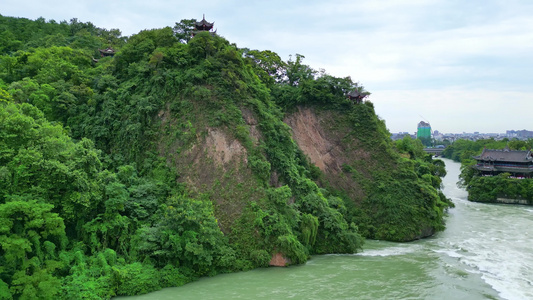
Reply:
x=178, y=158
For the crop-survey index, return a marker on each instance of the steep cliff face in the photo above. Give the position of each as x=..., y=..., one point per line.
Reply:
x=215, y=164
x=391, y=191
x=328, y=147
x=381, y=190
x=211, y=163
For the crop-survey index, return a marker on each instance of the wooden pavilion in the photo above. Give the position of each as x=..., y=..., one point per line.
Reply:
x=107, y=52
x=519, y=163
x=356, y=96
x=203, y=25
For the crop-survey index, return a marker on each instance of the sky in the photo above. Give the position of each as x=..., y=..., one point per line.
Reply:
x=462, y=66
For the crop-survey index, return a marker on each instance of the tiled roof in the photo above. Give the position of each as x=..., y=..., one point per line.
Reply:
x=505, y=155
x=204, y=24
x=109, y=50
x=357, y=94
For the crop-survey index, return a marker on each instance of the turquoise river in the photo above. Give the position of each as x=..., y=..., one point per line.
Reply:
x=486, y=252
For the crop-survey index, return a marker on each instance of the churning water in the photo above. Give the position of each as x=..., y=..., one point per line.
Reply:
x=484, y=253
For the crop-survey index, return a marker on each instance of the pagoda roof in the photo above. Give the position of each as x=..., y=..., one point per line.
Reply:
x=204, y=25
x=505, y=155
x=109, y=50
x=356, y=94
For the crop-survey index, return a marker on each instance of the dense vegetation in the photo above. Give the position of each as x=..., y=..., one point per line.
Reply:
x=103, y=194
x=488, y=189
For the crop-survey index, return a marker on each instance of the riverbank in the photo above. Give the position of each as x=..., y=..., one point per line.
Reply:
x=484, y=253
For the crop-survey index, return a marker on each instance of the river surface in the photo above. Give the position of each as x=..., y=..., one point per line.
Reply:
x=485, y=252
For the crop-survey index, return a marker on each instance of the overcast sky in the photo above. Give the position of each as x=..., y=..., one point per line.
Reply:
x=463, y=66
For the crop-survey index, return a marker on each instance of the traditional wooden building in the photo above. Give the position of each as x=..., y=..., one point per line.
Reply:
x=518, y=163
x=357, y=96
x=107, y=52
x=203, y=25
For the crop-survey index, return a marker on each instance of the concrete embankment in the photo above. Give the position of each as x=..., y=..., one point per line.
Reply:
x=512, y=201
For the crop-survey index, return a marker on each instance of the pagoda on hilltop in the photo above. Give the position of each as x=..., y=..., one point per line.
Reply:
x=357, y=95
x=203, y=25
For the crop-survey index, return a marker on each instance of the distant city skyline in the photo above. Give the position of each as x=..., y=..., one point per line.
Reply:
x=460, y=132
x=460, y=65
x=437, y=131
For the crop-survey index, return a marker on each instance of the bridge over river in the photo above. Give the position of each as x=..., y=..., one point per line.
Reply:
x=434, y=151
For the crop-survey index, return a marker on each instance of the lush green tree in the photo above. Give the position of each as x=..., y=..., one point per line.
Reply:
x=29, y=236
x=414, y=148
x=5, y=96
x=268, y=66
x=426, y=141
x=187, y=235
x=184, y=30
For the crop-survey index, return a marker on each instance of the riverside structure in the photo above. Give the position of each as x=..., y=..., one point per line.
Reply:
x=493, y=162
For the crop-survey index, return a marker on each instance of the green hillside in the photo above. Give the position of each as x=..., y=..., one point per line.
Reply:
x=178, y=158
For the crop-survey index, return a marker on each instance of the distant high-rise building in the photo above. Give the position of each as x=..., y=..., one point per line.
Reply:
x=424, y=130
x=521, y=134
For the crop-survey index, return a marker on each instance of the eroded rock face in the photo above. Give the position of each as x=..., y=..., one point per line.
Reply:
x=312, y=139
x=223, y=149
x=278, y=260
x=325, y=147
x=252, y=123
x=210, y=161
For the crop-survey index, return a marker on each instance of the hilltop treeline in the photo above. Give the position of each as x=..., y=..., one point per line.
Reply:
x=103, y=194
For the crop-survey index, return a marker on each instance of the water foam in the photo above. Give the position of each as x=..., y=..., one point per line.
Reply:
x=450, y=253
x=391, y=251
x=501, y=263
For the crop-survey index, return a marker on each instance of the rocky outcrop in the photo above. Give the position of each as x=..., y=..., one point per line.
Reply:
x=324, y=146
x=222, y=148
x=309, y=134
x=212, y=162
x=278, y=260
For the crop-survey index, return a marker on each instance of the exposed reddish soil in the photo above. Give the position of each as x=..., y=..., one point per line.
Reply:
x=215, y=164
x=278, y=260
x=325, y=148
